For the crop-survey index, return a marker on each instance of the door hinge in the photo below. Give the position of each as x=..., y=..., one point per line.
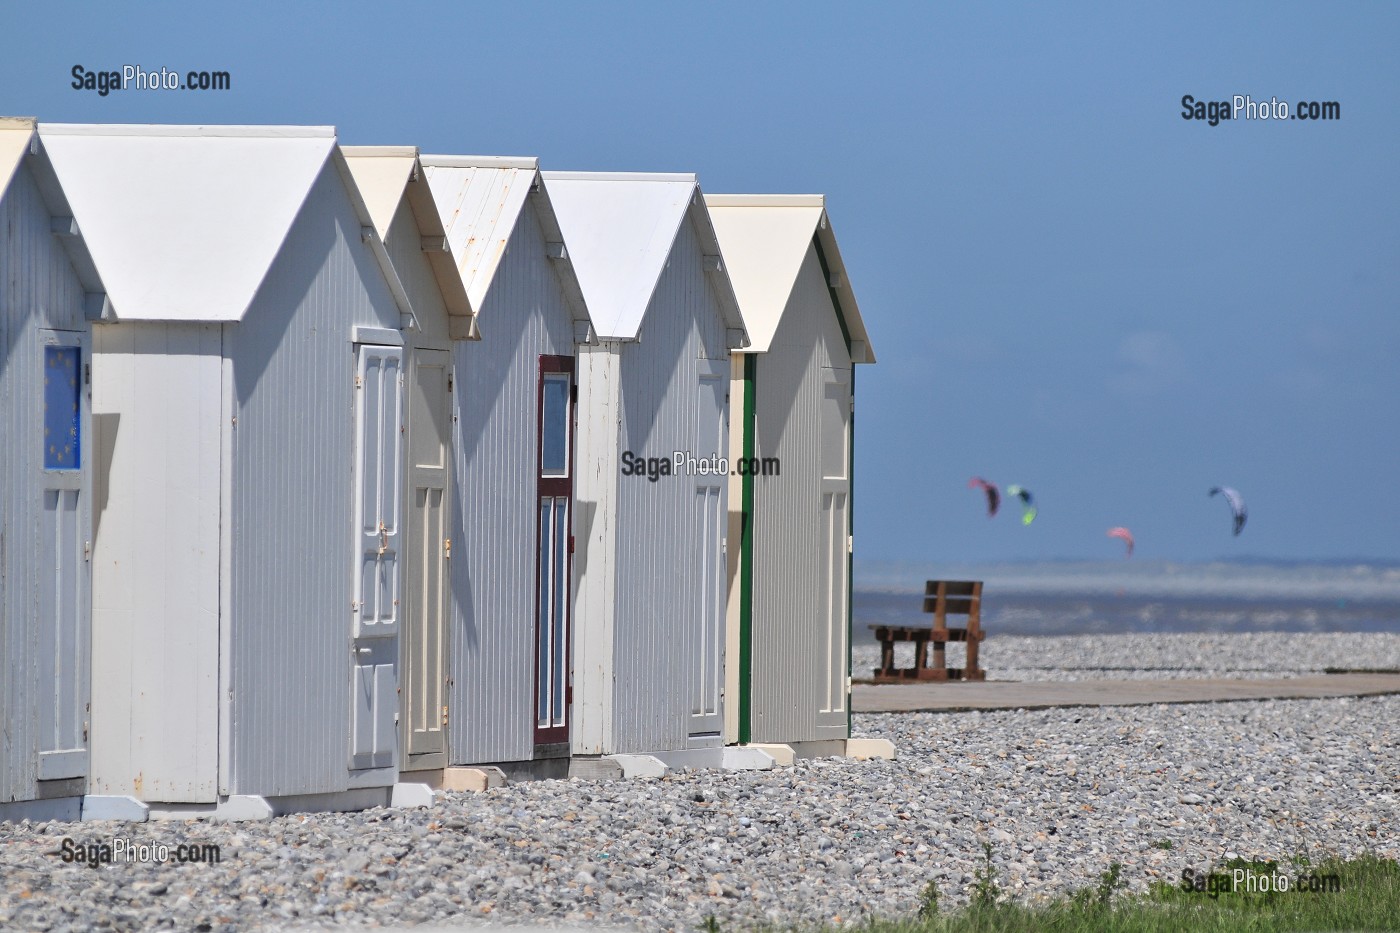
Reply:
x=449, y=382
x=573, y=392
x=850, y=544
x=87, y=550
x=444, y=715
x=359, y=381
x=87, y=374
x=571, y=544
x=447, y=549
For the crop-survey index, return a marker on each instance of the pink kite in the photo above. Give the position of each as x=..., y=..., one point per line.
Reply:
x=993, y=494
x=1125, y=534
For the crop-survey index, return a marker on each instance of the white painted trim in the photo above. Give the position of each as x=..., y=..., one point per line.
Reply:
x=225, y=771
x=595, y=560
x=468, y=161
x=624, y=176
x=157, y=129
x=381, y=336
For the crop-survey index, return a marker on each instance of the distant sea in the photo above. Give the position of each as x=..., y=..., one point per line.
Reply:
x=1069, y=598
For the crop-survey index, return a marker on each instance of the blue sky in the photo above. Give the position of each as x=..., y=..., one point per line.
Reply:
x=1068, y=286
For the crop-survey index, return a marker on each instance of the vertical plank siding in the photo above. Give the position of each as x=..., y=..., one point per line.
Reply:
x=658, y=587
x=789, y=649
x=38, y=290
x=292, y=465
x=494, y=531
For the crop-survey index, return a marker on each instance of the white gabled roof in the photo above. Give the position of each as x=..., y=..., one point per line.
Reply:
x=386, y=176
x=183, y=222
x=479, y=200
x=15, y=134
x=620, y=229
x=765, y=240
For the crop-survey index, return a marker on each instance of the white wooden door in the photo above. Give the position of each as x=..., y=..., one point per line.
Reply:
x=378, y=544
x=707, y=625
x=65, y=587
x=834, y=621
x=424, y=697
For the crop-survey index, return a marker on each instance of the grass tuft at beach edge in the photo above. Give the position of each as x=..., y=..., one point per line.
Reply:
x=1368, y=899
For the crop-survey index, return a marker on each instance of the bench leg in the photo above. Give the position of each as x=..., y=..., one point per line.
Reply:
x=886, y=658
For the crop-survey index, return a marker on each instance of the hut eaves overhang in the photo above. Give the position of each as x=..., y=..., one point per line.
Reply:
x=479, y=201
x=386, y=176
x=766, y=237
x=184, y=222
x=621, y=228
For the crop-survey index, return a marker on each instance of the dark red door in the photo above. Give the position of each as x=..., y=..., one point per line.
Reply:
x=554, y=547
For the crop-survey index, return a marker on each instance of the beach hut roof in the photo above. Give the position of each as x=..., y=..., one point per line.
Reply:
x=386, y=175
x=15, y=135
x=183, y=222
x=620, y=228
x=765, y=239
x=479, y=200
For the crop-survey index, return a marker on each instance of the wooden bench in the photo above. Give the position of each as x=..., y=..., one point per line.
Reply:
x=943, y=598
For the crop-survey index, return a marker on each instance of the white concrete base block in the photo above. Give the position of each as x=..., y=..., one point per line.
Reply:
x=639, y=766
x=411, y=795
x=732, y=758
x=472, y=780
x=63, y=809
x=112, y=807
x=865, y=749
x=595, y=769
x=747, y=758
x=783, y=755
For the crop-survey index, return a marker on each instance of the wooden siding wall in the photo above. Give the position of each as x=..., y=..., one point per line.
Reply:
x=788, y=650
x=289, y=592
x=38, y=289
x=657, y=590
x=494, y=535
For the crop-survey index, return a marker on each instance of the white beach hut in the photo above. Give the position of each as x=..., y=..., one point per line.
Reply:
x=247, y=541
x=395, y=190
x=649, y=564
x=45, y=486
x=514, y=436
x=790, y=610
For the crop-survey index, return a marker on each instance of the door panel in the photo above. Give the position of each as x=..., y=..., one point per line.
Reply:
x=834, y=622
x=378, y=478
x=428, y=551
x=707, y=616
x=554, y=547
x=64, y=597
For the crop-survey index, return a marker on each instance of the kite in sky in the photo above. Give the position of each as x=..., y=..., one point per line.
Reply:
x=1236, y=505
x=993, y=495
x=1028, y=511
x=1126, y=535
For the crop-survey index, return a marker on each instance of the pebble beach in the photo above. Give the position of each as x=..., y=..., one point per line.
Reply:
x=1059, y=795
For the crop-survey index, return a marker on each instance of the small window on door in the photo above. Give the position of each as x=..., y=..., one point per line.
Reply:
x=554, y=425
x=62, y=409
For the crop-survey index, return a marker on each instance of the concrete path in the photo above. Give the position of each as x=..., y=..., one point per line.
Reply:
x=961, y=696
